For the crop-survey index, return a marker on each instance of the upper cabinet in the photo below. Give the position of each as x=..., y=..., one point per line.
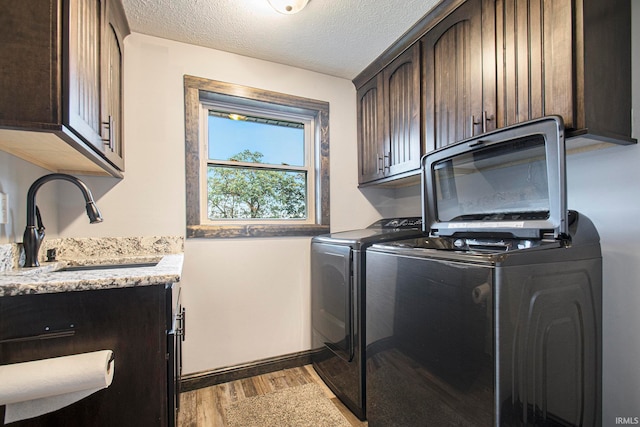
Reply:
x=371, y=145
x=113, y=85
x=83, y=86
x=61, y=104
x=389, y=120
x=402, y=113
x=569, y=58
x=453, y=79
x=488, y=64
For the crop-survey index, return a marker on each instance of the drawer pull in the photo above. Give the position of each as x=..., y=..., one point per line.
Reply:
x=45, y=336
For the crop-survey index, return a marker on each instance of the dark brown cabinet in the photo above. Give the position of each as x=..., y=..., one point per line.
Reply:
x=402, y=113
x=389, y=120
x=371, y=145
x=84, y=38
x=61, y=103
x=453, y=77
x=489, y=64
x=136, y=323
x=569, y=58
x=113, y=87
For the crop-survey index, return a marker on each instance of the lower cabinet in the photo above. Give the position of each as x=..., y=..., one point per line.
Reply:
x=137, y=323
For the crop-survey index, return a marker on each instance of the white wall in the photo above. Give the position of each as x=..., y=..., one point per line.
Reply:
x=604, y=185
x=16, y=176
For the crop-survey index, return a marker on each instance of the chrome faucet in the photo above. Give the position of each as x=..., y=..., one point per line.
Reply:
x=33, y=236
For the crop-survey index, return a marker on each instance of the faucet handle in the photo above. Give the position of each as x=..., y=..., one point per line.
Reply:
x=39, y=220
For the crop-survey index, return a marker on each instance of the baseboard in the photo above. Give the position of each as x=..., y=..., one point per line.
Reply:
x=204, y=379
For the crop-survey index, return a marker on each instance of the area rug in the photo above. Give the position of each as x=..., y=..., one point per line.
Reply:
x=301, y=406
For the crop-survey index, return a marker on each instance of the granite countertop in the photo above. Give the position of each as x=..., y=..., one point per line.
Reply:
x=50, y=277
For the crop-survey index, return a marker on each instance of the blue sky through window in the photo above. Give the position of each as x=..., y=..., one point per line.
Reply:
x=278, y=144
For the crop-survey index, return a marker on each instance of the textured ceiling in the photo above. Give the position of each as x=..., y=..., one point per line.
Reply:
x=335, y=37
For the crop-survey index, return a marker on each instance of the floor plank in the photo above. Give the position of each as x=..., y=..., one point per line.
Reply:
x=205, y=407
x=205, y=398
x=188, y=409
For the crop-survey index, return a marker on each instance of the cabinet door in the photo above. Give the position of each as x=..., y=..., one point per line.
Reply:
x=29, y=80
x=402, y=113
x=452, y=61
x=83, y=78
x=130, y=321
x=370, y=131
x=534, y=51
x=112, y=116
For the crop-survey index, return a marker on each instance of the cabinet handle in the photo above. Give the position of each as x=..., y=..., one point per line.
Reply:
x=474, y=124
x=184, y=323
x=182, y=319
x=387, y=161
x=380, y=163
x=485, y=118
x=109, y=125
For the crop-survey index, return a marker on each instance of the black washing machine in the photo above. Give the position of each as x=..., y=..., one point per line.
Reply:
x=338, y=265
x=494, y=316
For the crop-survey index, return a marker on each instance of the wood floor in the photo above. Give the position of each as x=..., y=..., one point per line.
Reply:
x=205, y=407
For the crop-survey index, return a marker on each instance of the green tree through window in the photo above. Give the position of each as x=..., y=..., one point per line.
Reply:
x=241, y=192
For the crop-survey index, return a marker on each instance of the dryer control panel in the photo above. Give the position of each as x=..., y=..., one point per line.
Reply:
x=407, y=223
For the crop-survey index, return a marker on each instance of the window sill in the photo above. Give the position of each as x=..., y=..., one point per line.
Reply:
x=254, y=230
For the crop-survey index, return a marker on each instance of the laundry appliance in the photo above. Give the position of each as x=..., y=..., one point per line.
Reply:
x=493, y=317
x=338, y=264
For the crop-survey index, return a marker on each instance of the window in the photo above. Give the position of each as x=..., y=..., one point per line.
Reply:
x=259, y=167
x=256, y=162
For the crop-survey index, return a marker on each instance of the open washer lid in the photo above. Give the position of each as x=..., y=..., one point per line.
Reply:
x=506, y=183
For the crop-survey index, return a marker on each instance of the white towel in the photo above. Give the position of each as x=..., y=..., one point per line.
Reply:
x=31, y=389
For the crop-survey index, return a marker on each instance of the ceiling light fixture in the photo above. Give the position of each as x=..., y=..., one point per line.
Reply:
x=288, y=7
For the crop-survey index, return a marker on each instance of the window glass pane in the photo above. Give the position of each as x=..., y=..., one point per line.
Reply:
x=510, y=177
x=246, y=193
x=255, y=139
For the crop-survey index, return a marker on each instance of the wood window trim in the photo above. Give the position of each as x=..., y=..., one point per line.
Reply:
x=196, y=89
